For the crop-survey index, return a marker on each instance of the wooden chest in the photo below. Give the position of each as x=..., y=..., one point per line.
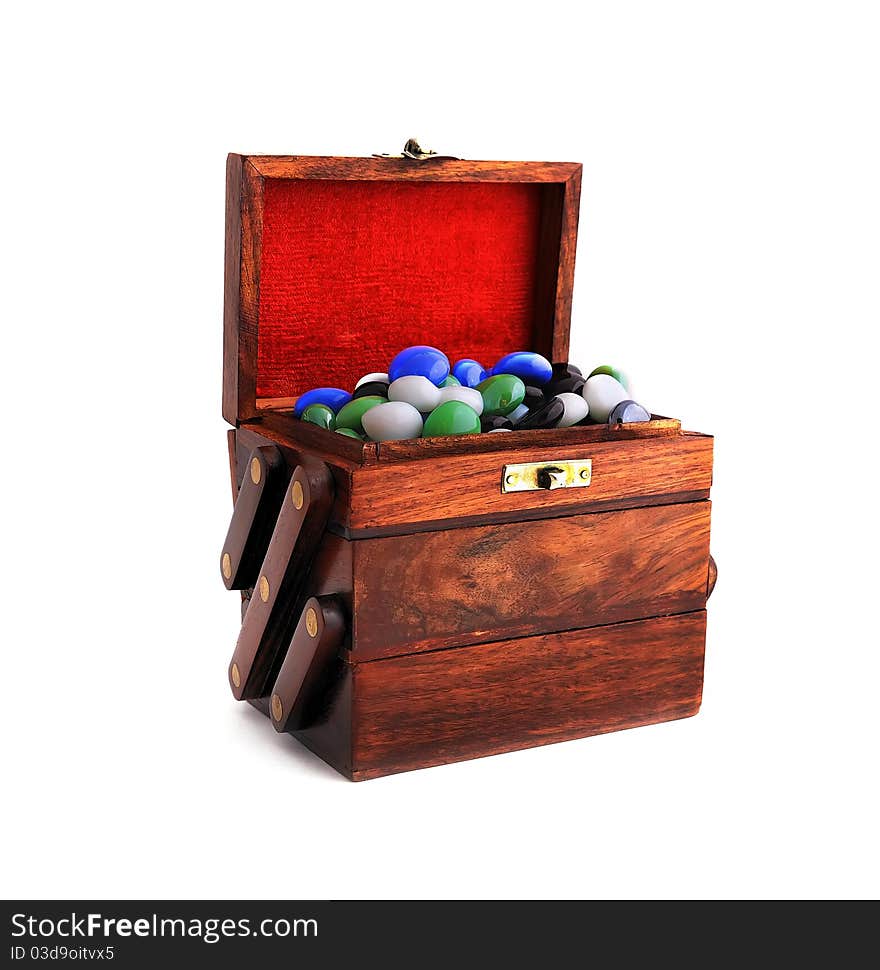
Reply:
x=402, y=606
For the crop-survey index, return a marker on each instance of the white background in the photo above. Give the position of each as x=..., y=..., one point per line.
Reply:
x=728, y=259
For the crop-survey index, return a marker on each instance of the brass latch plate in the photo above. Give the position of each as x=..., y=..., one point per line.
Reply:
x=535, y=476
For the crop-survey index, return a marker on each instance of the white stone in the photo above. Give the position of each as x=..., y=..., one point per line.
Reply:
x=415, y=390
x=392, y=420
x=496, y=430
x=518, y=413
x=467, y=395
x=371, y=377
x=576, y=409
x=603, y=393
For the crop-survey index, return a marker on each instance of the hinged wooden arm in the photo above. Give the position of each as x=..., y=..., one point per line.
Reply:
x=256, y=510
x=272, y=610
x=312, y=649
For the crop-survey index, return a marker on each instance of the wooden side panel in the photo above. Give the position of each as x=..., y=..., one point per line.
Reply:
x=435, y=590
x=557, y=243
x=451, y=705
x=405, y=493
x=403, y=169
x=328, y=730
x=331, y=572
x=244, y=223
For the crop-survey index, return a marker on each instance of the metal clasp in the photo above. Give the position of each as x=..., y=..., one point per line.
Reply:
x=414, y=151
x=536, y=475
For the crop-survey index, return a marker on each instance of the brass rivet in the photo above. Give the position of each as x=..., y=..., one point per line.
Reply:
x=227, y=566
x=256, y=471
x=236, y=676
x=312, y=621
x=296, y=494
x=277, y=707
x=511, y=479
x=264, y=589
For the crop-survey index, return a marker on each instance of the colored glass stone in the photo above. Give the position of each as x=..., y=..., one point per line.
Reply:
x=529, y=367
x=467, y=395
x=534, y=397
x=618, y=375
x=334, y=397
x=518, y=413
x=375, y=376
x=564, y=385
x=545, y=417
x=420, y=361
x=451, y=381
x=603, y=393
x=352, y=414
x=371, y=389
x=469, y=372
x=496, y=422
x=452, y=417
x=392, y=421
x=501, y=393
x=415, y=390
x=349, y=433
x=628, y=412
x=320, y=415
x=562, y=369
x=576, y=409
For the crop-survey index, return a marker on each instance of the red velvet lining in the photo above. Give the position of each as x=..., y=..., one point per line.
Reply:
x=352, y=272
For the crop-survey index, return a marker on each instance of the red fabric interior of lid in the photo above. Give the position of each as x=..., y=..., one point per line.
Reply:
x=353, y=272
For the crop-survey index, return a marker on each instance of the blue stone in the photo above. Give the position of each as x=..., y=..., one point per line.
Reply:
x=420, y=361
x=469, y=373
x=528, y=367
x=333, y=397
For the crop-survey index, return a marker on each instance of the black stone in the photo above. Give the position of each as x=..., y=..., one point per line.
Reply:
x=563, y=385
x=372, y=387
x=534, y=397
x=491, y=422
x=628, y=412
x=545, y=417
x=563, y=370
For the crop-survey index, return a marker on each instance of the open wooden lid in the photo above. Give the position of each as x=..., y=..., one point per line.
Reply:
x=334, y=265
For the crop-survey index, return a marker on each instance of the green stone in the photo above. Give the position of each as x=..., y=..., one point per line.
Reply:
x=320, y=415
x=349, y=433
x=451, y=381
x=501, y=393
x=618, y=375
x=351, y=414
x=451, y=417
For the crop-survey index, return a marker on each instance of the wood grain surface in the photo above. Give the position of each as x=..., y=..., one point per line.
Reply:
x=384, y=169
x=450, y=705
x=376, y=498
x=435, y=590
x=332, y=446
x=241, y=299
x=402, y=493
